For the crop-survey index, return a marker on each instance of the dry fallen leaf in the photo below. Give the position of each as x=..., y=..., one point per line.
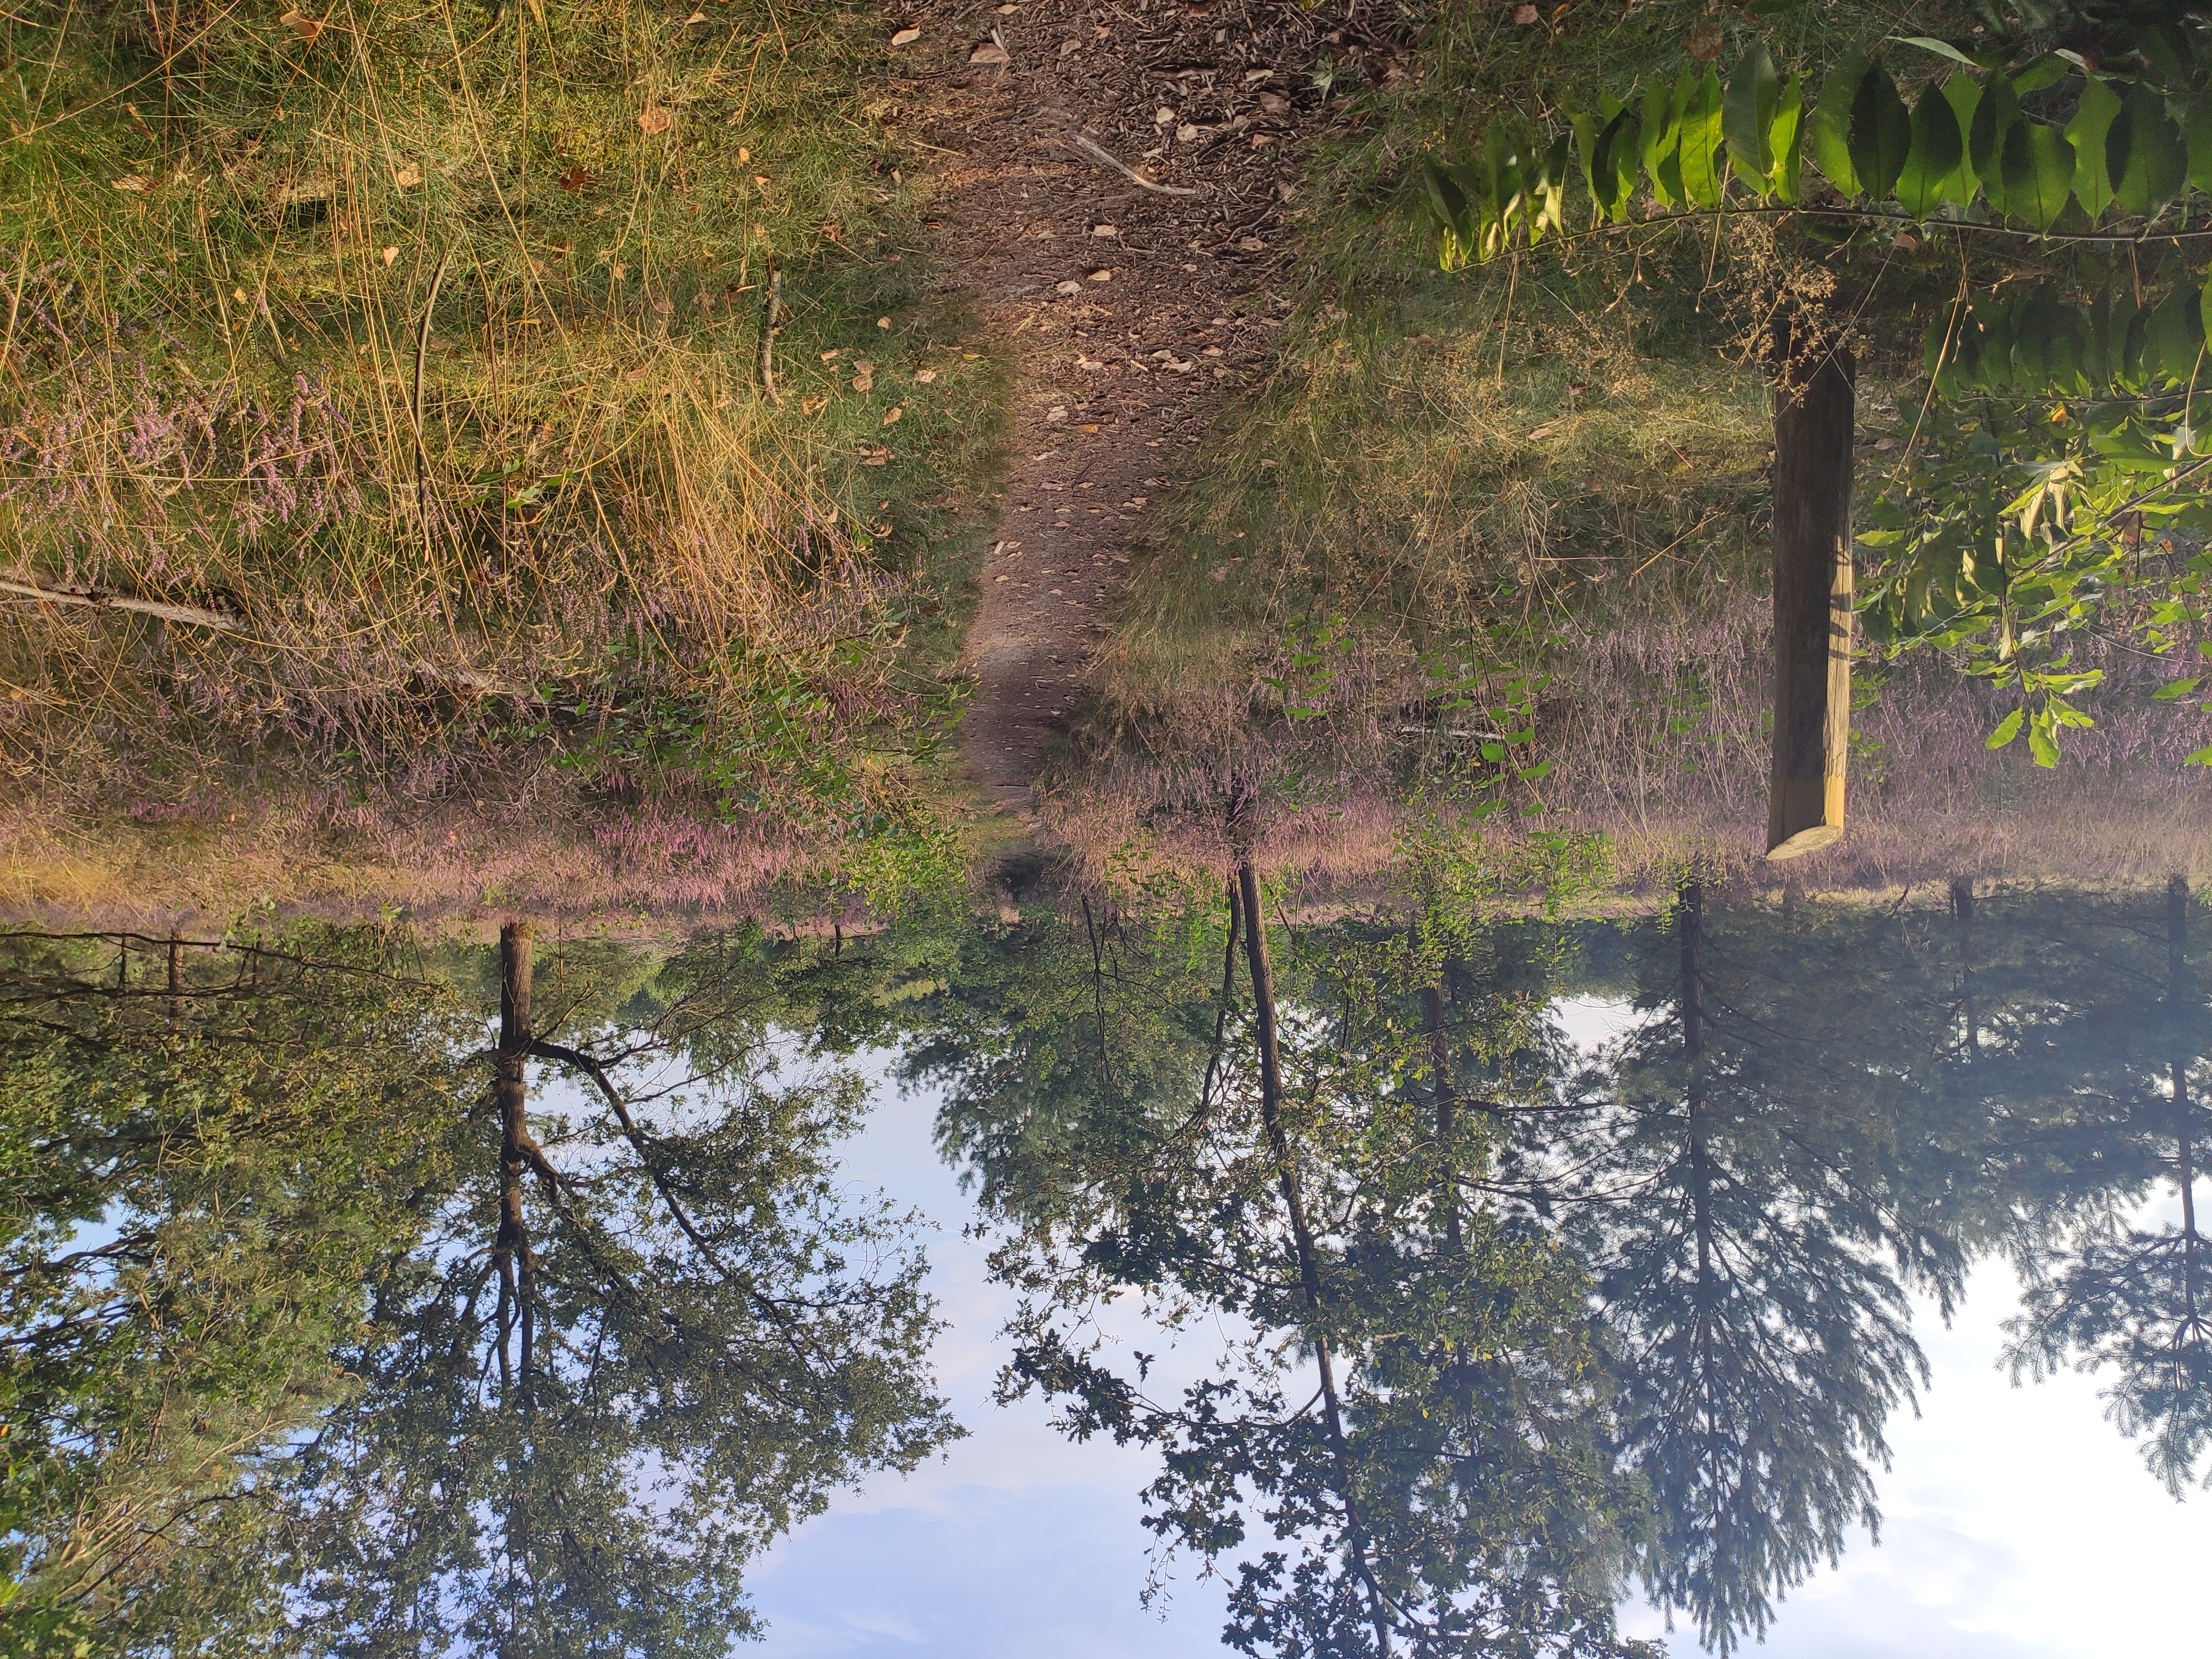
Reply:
x=654, y=119
x=302, y=25
x=1525, y=15
x=1188, y=133
x=1274, y=103
x=926, y=376
x=1069, y=288
x=990, y=53
x=833, y=354
x=744, y=155
x=133, y=184
x=1104, y=230
x=1541, y=432
x=906, y=37
x=811, y=405
x=1069, y=48
x=1250, y=243
x=891, y=414
x=407, y=177
x=1704, y=41
x=1102, y=274
x=695, y=17
x=883, y=322
x=390, y=254
x=575, y=178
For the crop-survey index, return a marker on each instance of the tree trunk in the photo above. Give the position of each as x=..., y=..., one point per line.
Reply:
x=511, y=1095
x=1432, y=1012
x=1962, y=908
x=1278, y=1145
x=1690, y=905
x=2176, y=949
x=1812, y=440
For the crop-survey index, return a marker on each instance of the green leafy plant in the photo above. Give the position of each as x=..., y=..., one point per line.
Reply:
x=1969, y=147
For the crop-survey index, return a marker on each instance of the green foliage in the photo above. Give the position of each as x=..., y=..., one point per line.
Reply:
x=197, y=1190
x=1989, y=134
x=2056, y=434
x=2059, y=465
x=353, y=1366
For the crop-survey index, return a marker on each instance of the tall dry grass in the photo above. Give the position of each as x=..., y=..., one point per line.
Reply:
x=421, y=343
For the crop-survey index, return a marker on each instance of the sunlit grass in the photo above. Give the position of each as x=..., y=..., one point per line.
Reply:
x=424, y=342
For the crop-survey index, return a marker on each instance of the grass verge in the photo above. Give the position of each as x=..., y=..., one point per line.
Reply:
x=411, y=358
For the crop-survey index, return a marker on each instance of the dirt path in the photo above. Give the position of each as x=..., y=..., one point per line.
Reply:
x=1129, y=310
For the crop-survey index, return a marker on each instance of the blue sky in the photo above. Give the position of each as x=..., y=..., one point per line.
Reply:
x=2018, y=1524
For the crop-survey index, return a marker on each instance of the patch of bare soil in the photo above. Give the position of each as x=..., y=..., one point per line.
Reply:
x=1112, y=180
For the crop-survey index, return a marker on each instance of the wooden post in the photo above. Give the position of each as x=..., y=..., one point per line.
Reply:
x=1813, y=437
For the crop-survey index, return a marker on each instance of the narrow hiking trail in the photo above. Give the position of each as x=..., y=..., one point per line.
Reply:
x=1130, y=304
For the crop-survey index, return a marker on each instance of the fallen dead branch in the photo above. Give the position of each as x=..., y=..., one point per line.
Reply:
x=100, y=600
x=1106, y=158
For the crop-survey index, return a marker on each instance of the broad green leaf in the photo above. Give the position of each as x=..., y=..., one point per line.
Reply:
x=1881, y=132
x=2047, y=71
x=1964, y=95
x=1994, y=112
x=2204, y=307
x=1830, y=125
x=2199, y=144
x=2086, y=131
x=1446, y=200
x=2175, y=689
x=2164, y=47
x=1783, y=139
x=1678, y=112
x=2144, y=154
x=2175, y=339
x=1619, y=146
x=1661, y=133
x=1940, y=48
x=2201, y=757
x=1549, y=187
x=1586, y=130
x=1747, y=109
x=1936, y=150
x=2008, y=729
x=2042, y=742
x=1704, y=168
x=2038, y=173
x=1504, y=184
x=2097, y=357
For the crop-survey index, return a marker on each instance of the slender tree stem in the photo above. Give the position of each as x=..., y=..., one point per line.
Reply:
x=1278, y=1143
x=2176, y=948
x=511, y=1093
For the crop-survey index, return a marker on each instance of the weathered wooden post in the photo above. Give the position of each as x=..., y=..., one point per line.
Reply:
x=1814, y=420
